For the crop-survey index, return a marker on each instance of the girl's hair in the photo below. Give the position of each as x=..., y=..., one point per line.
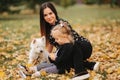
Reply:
x=44, y=26
x=64, y=29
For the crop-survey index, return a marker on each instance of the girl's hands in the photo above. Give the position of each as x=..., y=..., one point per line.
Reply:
x=52, y=56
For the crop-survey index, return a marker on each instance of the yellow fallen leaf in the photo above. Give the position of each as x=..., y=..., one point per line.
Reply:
x=16, y=42
x=104, y=56
x=9, y=48
x=14, y=61
x=2, y=74
x=118, y=71
x=43, y=73
x=109, y=70
x=92, y=74
x=1, y=39
x=118, y=51
x=29, y=65
x=114, y=55
x=2, y=49
x=21, y=57
x=28, y=78
x=71, y=73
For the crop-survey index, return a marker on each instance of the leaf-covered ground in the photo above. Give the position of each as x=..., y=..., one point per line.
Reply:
x=14, y=49
x=17, y=33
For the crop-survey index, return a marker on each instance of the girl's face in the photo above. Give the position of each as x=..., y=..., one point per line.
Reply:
x=59, y=37
x=49, y=16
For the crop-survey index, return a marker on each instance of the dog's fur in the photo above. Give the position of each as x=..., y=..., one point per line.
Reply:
x=38, y=53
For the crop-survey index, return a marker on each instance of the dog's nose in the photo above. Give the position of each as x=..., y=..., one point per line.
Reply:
x=41, y=51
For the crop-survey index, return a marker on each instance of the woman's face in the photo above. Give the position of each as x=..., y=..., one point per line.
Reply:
x=49, y=16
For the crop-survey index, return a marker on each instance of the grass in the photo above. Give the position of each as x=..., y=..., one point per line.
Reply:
x=83, y=14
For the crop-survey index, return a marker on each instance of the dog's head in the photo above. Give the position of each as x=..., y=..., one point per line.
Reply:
x=38, y=45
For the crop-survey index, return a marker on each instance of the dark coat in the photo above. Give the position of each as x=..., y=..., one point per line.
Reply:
x=64, y=59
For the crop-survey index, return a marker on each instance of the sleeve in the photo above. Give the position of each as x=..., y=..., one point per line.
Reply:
x=52, y=41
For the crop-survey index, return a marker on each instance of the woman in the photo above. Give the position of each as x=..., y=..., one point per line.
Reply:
x=48, y=19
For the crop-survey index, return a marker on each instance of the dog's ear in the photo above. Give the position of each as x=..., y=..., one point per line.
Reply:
x=43, y=39
x=33, y=42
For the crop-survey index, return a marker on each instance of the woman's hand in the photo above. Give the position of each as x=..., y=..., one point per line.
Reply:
x=52, y=56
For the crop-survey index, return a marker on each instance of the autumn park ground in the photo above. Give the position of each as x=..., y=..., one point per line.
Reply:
x=100, y=24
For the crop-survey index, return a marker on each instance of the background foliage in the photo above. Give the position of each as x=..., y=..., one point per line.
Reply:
x=18, y=5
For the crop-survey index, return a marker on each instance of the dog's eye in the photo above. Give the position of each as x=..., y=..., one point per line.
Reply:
x=41, y=51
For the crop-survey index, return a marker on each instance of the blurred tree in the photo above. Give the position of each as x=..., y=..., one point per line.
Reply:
x=32, y=3
x=65, y=3
x=90, y=1
x=112, y=3
x=118, y=2
x=100, y=2
x=78, y=1
x=5, y=4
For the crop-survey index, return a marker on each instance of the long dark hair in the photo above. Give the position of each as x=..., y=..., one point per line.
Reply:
x=44, y=26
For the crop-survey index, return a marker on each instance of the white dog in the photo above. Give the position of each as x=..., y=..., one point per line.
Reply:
x=38, y=53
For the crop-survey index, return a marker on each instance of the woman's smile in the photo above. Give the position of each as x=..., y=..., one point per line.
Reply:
x=49, y=16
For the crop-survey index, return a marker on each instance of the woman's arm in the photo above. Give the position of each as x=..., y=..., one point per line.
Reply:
x=49, y=48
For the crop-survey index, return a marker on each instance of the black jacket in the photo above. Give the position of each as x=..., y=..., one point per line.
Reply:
x=64, y=59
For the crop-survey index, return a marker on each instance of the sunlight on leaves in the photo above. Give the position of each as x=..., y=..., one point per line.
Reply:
x=15, y=45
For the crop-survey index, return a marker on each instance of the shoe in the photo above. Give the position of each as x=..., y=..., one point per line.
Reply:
x=21, y=67
x=23, y=70
x=96, y=66
x=81, y=76
x=21, y=73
